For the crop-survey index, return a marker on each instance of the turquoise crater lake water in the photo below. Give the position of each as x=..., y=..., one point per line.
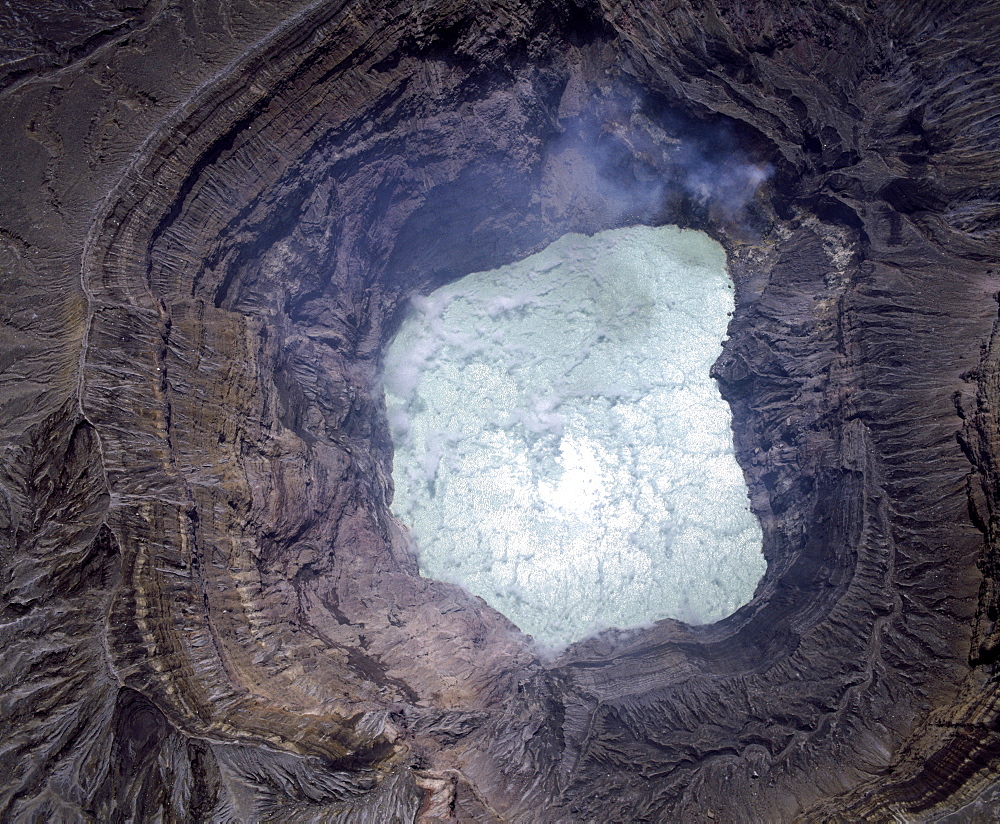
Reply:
x=560, y=448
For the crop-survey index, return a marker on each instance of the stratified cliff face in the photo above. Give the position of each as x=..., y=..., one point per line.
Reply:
x=213, y=215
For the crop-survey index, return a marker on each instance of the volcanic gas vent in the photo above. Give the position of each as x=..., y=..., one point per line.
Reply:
x=561, y=450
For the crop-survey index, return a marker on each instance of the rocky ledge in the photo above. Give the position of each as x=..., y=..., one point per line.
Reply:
x=213, y=215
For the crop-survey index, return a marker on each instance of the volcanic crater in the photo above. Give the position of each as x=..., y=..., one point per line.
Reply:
x=216, y=215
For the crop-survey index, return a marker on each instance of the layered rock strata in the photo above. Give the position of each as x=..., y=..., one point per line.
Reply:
x=208, y=611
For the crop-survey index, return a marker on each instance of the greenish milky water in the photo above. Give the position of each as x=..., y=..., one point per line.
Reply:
x=561, y=450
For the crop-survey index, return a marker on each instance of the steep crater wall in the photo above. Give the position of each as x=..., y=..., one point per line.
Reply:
x=196, y=506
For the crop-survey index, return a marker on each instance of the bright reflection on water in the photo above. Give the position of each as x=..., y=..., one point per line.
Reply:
x=561, y=450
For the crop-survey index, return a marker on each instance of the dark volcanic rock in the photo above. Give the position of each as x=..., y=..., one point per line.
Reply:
x=213, y=216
